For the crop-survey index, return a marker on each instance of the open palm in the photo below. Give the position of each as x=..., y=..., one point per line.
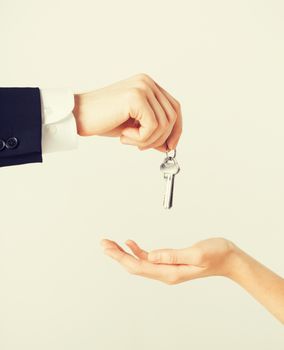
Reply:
x=172, y=266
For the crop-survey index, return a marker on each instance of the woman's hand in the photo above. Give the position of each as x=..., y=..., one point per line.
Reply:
x=206, y=258
x=137, y=110
x=212, y=257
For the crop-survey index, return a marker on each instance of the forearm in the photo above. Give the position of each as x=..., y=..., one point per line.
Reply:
x=263, y=284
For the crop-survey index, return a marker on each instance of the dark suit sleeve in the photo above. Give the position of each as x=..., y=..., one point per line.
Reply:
x=20, y=126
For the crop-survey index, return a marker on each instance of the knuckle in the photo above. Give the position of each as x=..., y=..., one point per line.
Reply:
x=135, y=94
x=155, y=257
x=173, y=117
x=152, y=126
x=165, y=122
x=177, y=105
x=143, y=141
x=222, y=239
x=225, y=244
x=172, y=259
x=144, y=77
x=163, y=127
x=142, y=85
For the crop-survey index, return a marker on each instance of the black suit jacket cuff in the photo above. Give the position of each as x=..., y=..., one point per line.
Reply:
x=20, y=126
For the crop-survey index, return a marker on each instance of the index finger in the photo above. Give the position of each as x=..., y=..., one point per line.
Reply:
x=128, y=261
x=177, y=129
x=163, y=273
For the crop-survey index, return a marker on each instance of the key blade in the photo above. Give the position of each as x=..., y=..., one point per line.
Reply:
x=168, y=198
x=169, y=168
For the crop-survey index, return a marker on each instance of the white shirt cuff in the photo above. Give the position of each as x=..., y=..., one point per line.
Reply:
x=59, y=132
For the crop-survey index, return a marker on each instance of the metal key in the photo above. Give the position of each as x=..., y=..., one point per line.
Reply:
x=169, y=168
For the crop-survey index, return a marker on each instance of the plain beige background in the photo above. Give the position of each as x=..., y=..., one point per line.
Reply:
x=224, y=61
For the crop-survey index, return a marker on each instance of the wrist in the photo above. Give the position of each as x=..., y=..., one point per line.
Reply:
x=234, y=262
x=77, y=112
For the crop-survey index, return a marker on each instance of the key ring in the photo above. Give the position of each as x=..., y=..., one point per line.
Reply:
x=171, y=154
x=169, y=162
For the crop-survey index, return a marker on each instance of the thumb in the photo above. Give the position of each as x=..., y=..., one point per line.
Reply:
x=171, y=256
x=145, y=123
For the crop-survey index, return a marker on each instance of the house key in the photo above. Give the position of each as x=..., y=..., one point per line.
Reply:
x=169, y=168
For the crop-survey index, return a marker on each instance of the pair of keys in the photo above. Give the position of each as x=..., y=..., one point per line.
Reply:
x=169, y=168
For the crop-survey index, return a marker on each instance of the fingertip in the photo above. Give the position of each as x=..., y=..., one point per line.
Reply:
x=174, y=138
x=103, y=242
x=172, y=144
x=129, y=244
x=112, y=252
x=132, y=245
x=164, y=147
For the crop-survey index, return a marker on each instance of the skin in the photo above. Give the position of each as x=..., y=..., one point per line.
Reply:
x=143, y=114
x=137, y=110
x=211, y=257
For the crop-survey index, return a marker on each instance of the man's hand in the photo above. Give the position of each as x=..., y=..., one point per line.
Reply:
x=206, y=258
x=137, y=110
